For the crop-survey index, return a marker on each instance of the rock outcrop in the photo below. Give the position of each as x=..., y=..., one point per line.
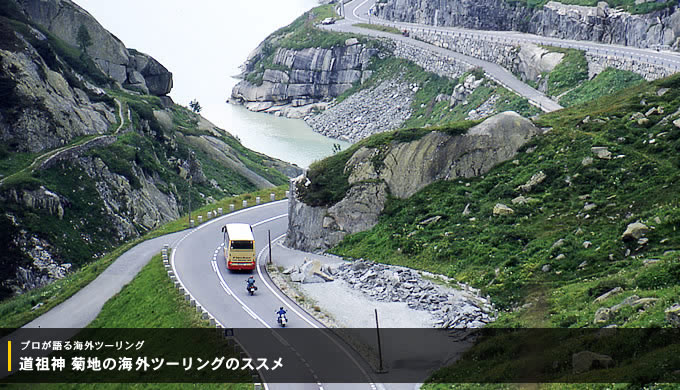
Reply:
x=45, y=111
x=63, y=18
x=304, y=77
x=402, y=169
x=599, y=23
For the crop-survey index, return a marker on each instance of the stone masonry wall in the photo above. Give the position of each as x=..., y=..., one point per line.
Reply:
x=431, y=62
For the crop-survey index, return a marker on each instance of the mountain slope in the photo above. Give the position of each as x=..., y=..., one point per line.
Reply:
x=569, y=232
x=89, y=161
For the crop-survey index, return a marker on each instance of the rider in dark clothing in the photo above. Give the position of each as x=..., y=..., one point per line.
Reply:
x=250, y=282
x=281, y=313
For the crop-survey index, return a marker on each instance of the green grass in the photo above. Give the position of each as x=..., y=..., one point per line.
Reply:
x=379, y=27
x=504, y=255
x=606, y=83
x=569, y=73
x=11, y=163
x=150, y=300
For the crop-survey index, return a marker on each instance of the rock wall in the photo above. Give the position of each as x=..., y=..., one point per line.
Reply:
x=600, y=23
x=304, y=77
x=63, y=18
x=404, y=168
x=47, y=111
x=597, y=63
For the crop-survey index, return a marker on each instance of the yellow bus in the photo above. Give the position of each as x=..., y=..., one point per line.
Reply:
x=239, y=246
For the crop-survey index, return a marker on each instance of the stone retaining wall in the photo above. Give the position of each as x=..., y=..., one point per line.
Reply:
x=431, y=62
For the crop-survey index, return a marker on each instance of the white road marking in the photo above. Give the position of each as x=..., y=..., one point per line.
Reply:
x=250, y=312
x=285, y=302
x=269, y=220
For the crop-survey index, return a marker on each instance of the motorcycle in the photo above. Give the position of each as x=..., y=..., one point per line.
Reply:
x=282, y=321
x=251, y=289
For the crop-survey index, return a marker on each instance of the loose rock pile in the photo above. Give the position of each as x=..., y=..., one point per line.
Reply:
x=367, y=112
x=452, y=308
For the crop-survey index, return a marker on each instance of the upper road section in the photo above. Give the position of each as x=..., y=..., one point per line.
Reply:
x=357, y=12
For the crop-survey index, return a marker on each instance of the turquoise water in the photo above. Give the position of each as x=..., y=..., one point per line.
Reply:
x=286, y=139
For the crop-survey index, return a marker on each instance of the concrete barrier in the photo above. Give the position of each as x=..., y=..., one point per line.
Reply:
x=257, y=200
x=231, y=207
x=245, y=203
x=272, y=197
x=219, y=210
x=200, y=219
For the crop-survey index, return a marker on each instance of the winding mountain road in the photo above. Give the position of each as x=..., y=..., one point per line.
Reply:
x=199, y=264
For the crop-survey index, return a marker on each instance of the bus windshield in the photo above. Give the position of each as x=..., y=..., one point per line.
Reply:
x=242, y=245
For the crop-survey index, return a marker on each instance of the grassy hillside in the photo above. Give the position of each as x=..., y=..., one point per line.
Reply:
x=545, y=264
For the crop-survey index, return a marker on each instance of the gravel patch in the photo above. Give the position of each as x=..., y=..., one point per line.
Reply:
x=352, y=309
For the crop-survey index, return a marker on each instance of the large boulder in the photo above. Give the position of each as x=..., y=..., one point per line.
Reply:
x=673, y=315
x=585, y=361
x=635, y=231
x=158, y=78
x=406, y=168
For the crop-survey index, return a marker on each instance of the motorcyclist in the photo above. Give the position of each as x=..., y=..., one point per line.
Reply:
x=250, y=282
x=281, y=313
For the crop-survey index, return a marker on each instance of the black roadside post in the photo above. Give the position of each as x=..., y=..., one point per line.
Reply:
x=377, y=329
x=269, y=233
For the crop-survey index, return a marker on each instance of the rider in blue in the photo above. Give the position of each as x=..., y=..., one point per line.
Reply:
x=250, y=282
x=281, y=313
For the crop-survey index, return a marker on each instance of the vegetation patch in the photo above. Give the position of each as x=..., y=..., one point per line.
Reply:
x=606, y=83
x=379, y=27
x=569, y=73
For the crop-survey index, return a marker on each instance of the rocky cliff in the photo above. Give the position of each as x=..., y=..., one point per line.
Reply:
x=64, y=18
x=401, y=169
x=299, y=78
x=600, y=23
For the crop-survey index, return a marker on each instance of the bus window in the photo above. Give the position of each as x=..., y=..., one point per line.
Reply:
x=242, y=245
